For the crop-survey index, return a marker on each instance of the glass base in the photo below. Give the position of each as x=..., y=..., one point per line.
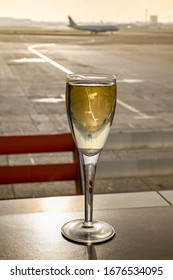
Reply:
x=87, y=232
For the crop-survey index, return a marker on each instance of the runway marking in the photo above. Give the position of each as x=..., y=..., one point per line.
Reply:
x=67, y=71
x=46, y=58
x=28, y=59
x=51, y=99
x=131, y=81
x=132, y=109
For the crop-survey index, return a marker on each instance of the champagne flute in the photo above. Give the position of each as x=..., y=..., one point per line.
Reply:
x=91, y=102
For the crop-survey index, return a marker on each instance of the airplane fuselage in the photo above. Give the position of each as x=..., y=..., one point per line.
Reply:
x=92, y=28
x=96, y=28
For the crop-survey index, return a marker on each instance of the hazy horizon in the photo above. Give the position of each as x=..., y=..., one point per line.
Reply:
x=88, y=10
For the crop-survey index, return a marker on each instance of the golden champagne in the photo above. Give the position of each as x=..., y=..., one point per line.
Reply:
x=90, y=109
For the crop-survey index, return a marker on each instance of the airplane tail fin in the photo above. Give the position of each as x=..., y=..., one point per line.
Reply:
x=71, y=22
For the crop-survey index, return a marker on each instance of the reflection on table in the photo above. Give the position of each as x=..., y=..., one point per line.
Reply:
x=31, y=228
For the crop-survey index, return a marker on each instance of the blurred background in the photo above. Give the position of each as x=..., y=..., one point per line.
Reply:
x=37, y=50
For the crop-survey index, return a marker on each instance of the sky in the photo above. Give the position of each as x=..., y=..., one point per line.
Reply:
x=88, y=10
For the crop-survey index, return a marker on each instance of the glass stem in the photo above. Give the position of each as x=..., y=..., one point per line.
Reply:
x=89, y=164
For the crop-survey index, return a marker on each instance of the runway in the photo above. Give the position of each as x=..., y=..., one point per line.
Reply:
x=33, y=71
x=38, y=66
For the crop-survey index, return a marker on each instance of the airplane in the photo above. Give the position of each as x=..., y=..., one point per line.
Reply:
x=93, y=28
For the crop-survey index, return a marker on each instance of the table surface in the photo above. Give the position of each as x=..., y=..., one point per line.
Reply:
x=31, y=228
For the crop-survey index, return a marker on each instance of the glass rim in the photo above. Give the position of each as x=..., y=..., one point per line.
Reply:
x=89, y=76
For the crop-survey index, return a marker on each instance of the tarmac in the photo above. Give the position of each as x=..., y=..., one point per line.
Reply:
x=138, y=155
